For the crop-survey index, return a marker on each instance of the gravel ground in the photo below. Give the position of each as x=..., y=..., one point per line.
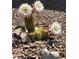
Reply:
x=43, y=19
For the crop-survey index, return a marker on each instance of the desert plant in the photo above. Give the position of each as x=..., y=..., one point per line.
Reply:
x=39, y=33
x=29, y=23
x=28, y=11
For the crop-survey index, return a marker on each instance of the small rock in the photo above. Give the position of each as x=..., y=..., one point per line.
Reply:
x=50, y=55
x=23, y=34
x=25, y=37
x=18, y=31
x=55, y=54
x=63, y=58
x=26, y=46
x=38, y=42
x=33, y=45
x=16, y=58
x=13, y=27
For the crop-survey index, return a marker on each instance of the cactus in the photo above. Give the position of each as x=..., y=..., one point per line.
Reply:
x=29, y=23
x=43, y=32
x=39, y=33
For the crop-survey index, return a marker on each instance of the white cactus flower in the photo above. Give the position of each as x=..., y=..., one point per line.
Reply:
x=55, y=28
x=38, y=6
x=25, y=9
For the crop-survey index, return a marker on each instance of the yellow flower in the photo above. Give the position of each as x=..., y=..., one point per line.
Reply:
x=25, y=9
x=38, y=6
x=55, y=28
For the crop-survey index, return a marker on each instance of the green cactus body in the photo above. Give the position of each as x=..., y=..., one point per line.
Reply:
x=39, y=34
x=29, y=24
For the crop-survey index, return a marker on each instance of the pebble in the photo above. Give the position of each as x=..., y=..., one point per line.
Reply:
x=33, y=45
x=25, y=37
x=18, y=31
x=16, y=58
x=26, y=46
x=50, y=55
x=14, y=26
x=63, y=58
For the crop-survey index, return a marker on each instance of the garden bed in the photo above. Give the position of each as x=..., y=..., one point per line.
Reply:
x=44, y=20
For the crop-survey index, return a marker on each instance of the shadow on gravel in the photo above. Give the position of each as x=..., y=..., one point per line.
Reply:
x=59, y=5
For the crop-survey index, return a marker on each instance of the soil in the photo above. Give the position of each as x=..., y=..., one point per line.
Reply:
x=44, y=19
